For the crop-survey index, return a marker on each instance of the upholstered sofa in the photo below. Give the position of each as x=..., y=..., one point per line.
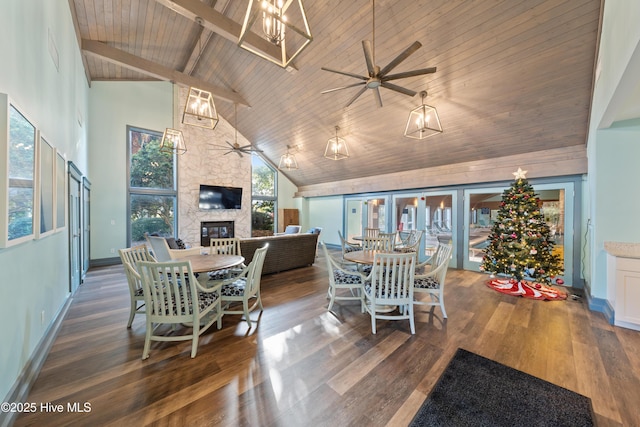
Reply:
x=285, y=252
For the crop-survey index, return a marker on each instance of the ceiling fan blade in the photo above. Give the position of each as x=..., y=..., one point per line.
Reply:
x=368, y=56
x=360, y=92
x=238, y=152
x=247, y=149
x=410, y=73
x=378, y=97
x=398, y=59
x=343, y=87
x=398, y=88
x=344, y=73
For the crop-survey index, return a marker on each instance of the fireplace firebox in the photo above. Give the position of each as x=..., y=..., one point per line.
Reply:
x=215, y=230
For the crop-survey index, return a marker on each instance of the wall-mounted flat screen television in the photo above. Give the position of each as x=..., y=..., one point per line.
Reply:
x=217, y=197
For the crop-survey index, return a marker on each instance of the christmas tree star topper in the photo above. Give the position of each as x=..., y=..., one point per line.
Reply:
x=520, y=174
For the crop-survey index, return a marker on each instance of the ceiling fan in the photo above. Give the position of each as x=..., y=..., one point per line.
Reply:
x=235, y=147
x=379, y=77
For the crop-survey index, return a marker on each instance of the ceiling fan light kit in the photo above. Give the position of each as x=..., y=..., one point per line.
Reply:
x=199, y=109
x=173, y=141
x=423, y=121
x=282, y=21
x=336, y=148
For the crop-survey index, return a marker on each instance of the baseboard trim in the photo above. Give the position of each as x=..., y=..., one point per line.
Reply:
x=104, y=262
x=602, y=306
x=31, y=370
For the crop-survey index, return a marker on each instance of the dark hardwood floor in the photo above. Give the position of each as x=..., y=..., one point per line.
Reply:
x=300, y=365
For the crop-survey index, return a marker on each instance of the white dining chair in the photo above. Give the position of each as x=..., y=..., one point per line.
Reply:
x=174, y=297
x=130, y=257
x=390, y=283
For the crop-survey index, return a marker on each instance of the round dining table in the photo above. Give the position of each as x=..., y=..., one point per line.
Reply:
x=361, y=257
x=205, y=263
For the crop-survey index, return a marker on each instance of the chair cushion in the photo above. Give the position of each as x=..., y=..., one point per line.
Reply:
x=171, y=242
x=348, y=249
x=205, y=299
x=235, y=289
x=426, y=283
x=367, y=290
x=138, y=292
x=226, y=273
x=343, y=278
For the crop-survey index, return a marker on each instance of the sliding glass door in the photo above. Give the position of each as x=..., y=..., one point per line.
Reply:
x=481, y=208
x=439, y=219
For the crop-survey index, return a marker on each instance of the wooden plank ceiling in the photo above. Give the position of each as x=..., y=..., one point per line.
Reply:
x=513, y=76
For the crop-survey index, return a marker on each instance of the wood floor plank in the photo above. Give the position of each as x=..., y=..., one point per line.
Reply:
x=300, y=365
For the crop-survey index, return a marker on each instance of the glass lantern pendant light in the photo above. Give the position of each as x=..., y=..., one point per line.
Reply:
x=423, y=121
x=336, y=148
x=282, y=21
x=288, y=161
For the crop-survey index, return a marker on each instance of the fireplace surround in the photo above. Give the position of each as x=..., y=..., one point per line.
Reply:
x=215, y=230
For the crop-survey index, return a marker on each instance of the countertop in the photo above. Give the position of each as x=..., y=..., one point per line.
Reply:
x=623, y=249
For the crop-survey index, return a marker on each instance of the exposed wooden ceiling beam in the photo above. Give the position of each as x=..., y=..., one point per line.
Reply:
x=215, y=21
x=158, y=71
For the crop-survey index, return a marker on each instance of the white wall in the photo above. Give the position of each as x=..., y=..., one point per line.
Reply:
x=113, y=106
x=610, y=175
x=325, y=212
x=617, y=207
x=35, y=274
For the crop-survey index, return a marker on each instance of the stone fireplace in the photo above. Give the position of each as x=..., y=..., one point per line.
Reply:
x=215, y=230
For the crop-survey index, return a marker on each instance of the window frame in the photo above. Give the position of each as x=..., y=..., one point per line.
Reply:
x=273, y=198
x=144, y=191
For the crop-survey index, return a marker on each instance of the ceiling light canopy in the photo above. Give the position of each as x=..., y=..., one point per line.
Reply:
x=278, y=16
x=336, y=148
x=288, y=161
x=199, y=109
x=173, y=141
x=423, y=121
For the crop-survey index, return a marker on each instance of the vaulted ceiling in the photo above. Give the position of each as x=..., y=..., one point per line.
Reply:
x=513, y=76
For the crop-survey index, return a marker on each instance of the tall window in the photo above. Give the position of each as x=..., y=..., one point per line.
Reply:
x=263, y=197
x=152, y=186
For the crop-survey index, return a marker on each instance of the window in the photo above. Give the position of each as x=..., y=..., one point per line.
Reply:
x=18, y=172
x=263, y=197
x=152, y=186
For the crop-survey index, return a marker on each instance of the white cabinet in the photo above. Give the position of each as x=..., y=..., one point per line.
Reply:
x=627, y=291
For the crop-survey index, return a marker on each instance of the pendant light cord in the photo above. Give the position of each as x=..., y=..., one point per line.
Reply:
x=374, y=32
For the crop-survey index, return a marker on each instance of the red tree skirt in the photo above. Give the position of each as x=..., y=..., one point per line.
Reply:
x=526, y=289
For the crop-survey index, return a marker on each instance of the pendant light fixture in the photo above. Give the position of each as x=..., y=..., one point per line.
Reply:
x=423, y=121
x=288, y=160
x=278, y=16
x=199, y=109
x=336, y=148
x=172, y=139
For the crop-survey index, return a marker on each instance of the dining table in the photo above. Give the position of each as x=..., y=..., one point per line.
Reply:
x=205, y=263
x=361, y=257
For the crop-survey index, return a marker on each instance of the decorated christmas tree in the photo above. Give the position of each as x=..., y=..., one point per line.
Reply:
x=520, y=245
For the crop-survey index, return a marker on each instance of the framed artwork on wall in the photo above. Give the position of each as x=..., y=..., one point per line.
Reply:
x=46, y=190
x=17, y=173
x=61, y=191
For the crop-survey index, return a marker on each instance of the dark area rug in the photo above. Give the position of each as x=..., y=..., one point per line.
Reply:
x=476, y=391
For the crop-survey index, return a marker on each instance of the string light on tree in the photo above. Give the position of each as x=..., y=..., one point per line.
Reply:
x=520, y=245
